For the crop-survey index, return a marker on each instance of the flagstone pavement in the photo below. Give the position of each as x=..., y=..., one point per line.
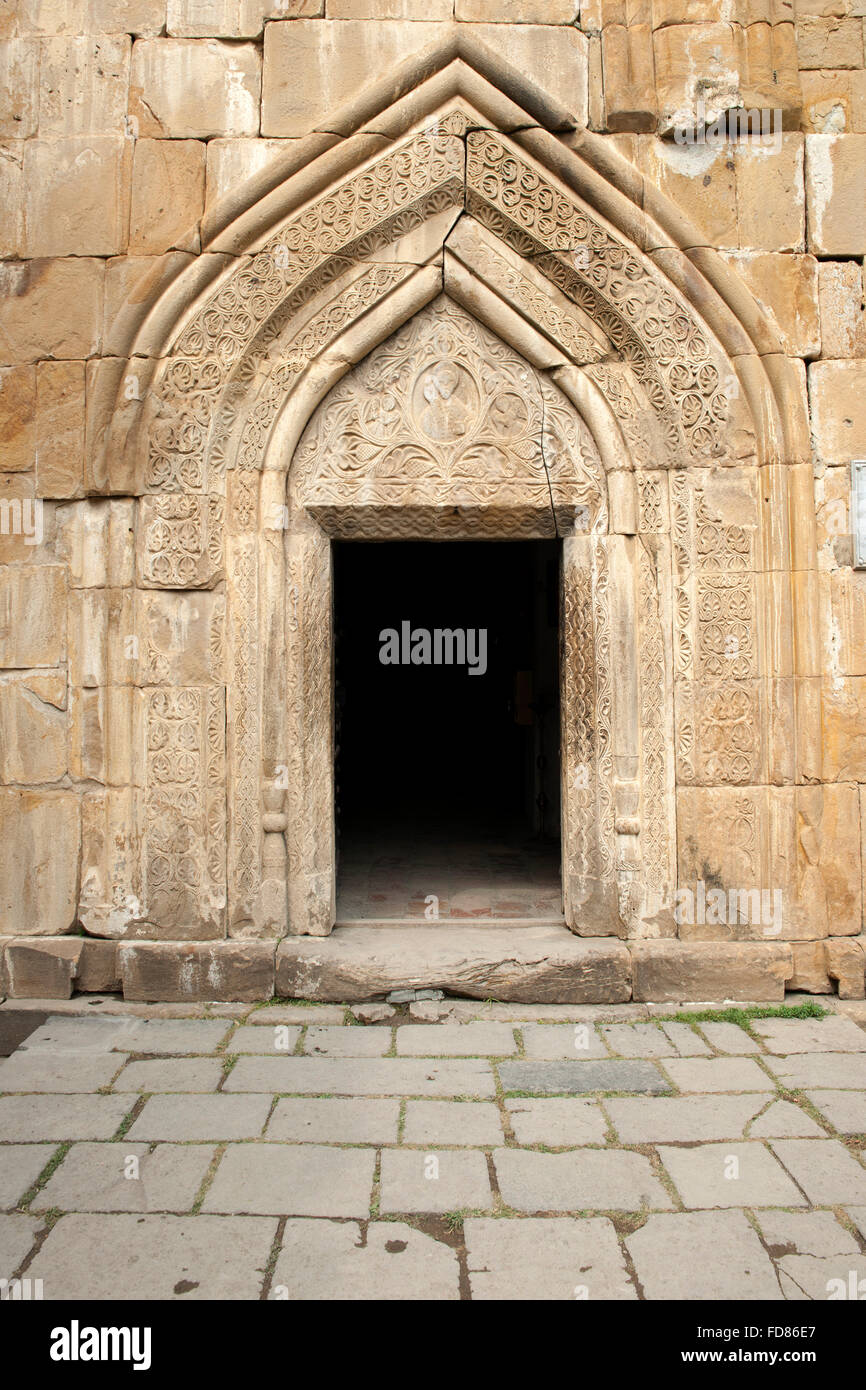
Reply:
x=446, y=1151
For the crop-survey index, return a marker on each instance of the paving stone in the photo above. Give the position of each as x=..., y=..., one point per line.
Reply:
x=297, y=1013
x=439, y=1181
x=702, y=1255
x=783, y=1120
x=456, y=1040
x=805, y=1233
x=559, y=1123
x=17, y=1234
x=347, y=1042
x=62, y=1036
x=586, y=1179
x=20, y=1166
x=828, y=1174
x=189, y=1118
x=171, y=1074
x=362, y=1076
x=378, y=1013
x=93, y=1177
x=687, y=1042
x=335, y=1121
x=578, y=1078
x=833, y=1034
x=278, y=1041
x=729, y=1037
x=858, y=1216
x=833, y=1277
x=39, y=1072
x=25, y=1118
x=180, y=1035
x=729, y=1175
x=452, y=1122
x=292, y=1180
x=328, y=1260
x=550, y=1042
x=845, y=1110
x=717, y=1074
x=555, y=1257
x=843, y=1071
x=638, y=1040
x=684, y=1119
x=155, y=1257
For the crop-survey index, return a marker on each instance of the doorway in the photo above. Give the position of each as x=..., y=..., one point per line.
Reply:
x=446, y=682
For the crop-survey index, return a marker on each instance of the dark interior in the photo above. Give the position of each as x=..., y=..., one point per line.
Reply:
x=430, y=750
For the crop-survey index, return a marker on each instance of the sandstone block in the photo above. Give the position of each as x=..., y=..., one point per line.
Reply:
x=43, y=969
x=84, y=85
x=830, y=41
x=843, y=702
x=843, y=595
x=27, y=524
x=471, y=11
x=51, y=17
x=11, y=196
x=786, y=287
x=32, y=616
x=180, y=972
x=98, y=971
x=180, y=638
x=139, y=17
x=132, y=285
x=695, y=61
x=95, y=542
x=188, y=19
x=33, y=727
x=842, y=304
x=837, y=395
x=846, y=963
x=110, y=898
x=671, y=970
x=50, y=308
x=255, y=13
x=60, y=411
x=194, y=88
x=19, y=82
x=77, y=196
x=231, y=162
x=17, y=419
x=810, y=972
x=167, y=196
x=836, y=194
x=826, y=102
x=39, y=838
x=530, y=963
x=699, y=178
x=629, y=79
x=771, y=201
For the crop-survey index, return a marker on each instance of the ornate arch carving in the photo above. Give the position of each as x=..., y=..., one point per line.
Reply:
x=669, y=380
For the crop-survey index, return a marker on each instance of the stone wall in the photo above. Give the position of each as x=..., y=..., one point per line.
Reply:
x=129, y=133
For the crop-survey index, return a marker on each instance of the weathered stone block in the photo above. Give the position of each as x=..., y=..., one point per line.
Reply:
x=846, y=963
x=628, y=77
x=50, y=308
x=830, y=41
x=32, y=616
x=33, y=727
x=810, y=968
x=529, y=963
x=77, y=196
x=771, y=203
x=95, y=542
x=695, y=61
x=98, y=971
x=17, y=419
x=60, y=412
x=39, y=840
x=255, y=13
x=194, y=88
x=139, y=17
x=180, y=972
x=836, y=194
x=43, y=969
x=837, y=395
x=167, y=196
x=231, y=162
x=471, y=11
x=180, y=638
x=84, y=85
x=179, y=541
x=842, y=305
x=27, y=524
x=668, y=970
x=826, y=102
x=19, y=81
x=132, y=285
x=51, y=17
x=110, y=901
x=786, y=287
x=843, y=707
x=188, y=19
x=11, y=196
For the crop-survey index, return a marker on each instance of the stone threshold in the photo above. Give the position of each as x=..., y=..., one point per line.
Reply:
x=459, y=923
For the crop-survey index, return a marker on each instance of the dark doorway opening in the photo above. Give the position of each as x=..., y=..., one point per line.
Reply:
x=447, y=730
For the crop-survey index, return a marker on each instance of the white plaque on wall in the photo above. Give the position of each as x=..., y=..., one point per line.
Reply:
x=858, y=511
